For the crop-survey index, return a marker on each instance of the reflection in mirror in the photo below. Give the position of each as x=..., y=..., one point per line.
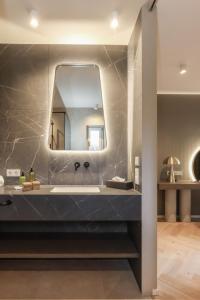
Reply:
x=77, y=119
x=196, y=166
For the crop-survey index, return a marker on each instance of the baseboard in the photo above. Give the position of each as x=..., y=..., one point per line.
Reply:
x=161, y=217
x=195, y=218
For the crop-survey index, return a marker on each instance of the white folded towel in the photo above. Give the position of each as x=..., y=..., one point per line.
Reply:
x=18, y=188
x=119, y=179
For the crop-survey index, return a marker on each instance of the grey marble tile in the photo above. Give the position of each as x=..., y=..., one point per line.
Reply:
x=66, y=227
x=26, y=85
x=23, y=108
x=112, y=161
x=71, y=208
x=24, y=77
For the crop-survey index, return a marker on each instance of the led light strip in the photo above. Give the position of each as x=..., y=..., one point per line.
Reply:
x=191, y=164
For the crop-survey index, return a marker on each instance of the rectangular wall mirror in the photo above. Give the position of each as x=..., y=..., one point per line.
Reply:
x=77, y=118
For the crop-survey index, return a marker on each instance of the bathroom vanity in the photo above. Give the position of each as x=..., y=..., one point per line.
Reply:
x=39, y=129
x=98, y=222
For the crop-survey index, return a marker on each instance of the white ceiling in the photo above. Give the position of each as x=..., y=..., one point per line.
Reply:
x=87, y=79
x=178, y=43
x=68, y=21
x=88, y=22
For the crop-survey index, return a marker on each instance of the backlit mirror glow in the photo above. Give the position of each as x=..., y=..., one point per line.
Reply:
x=77, y=118
x=196, y=166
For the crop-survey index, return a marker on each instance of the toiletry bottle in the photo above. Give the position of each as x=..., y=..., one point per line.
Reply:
x=22, y=178
x=1, y=181
x=31, y=175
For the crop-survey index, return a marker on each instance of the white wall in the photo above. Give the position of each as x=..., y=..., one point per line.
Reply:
x=80, y=118
x=149, y=150
x=142, y=134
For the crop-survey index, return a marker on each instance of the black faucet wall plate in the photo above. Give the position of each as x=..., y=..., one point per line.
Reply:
x=86, y=164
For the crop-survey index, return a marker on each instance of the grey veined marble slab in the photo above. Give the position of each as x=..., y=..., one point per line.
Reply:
x=108, y=205
x=27, y=74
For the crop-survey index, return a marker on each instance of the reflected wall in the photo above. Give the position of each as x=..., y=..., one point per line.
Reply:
x=77, y=120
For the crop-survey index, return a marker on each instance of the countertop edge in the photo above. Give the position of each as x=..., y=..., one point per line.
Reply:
x=45, y=190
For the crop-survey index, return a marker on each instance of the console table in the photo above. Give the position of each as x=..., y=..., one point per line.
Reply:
x=185, y=187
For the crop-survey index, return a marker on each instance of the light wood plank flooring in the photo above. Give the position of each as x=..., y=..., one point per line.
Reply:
x=179, y=261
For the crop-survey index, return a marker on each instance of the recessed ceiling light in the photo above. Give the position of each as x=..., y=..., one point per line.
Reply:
x=114, y=24
x=34, y=21
x=183, y=69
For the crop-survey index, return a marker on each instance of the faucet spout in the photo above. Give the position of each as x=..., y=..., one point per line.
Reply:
x=77, y=165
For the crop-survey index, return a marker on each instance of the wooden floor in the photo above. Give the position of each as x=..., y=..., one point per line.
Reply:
x=179, y=261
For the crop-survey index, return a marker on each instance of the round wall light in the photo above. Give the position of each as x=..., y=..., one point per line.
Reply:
x=191, y=164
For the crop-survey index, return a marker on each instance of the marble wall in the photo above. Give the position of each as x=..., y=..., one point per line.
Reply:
x=26, y=88
x=135, y=100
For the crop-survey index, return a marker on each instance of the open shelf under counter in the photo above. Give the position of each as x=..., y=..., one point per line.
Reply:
x=67, y=246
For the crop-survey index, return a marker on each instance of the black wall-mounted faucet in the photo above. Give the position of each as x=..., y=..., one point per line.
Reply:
x=77, y=165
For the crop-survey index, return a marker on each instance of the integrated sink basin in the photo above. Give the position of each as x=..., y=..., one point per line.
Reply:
x=75, y=189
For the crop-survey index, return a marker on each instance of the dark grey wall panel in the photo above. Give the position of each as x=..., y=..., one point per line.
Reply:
x=23, y=108
x=178, y=135
x=26, y=86
x=113, y=68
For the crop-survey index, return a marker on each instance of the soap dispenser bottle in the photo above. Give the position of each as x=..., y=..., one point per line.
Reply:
x=22, y=178
x=1, y=181
x=31, y=175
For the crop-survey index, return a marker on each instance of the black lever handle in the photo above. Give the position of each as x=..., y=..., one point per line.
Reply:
x=6, y=203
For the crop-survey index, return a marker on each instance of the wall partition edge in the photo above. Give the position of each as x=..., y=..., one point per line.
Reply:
x=149, y=150
x=142, y=134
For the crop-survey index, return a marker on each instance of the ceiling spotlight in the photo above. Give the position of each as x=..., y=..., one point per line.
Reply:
x=34, y=21
x=114, y=24
x=183, y=69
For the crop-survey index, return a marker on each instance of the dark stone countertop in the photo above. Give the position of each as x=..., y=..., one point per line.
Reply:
x=45, y=190
x=43, y=205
